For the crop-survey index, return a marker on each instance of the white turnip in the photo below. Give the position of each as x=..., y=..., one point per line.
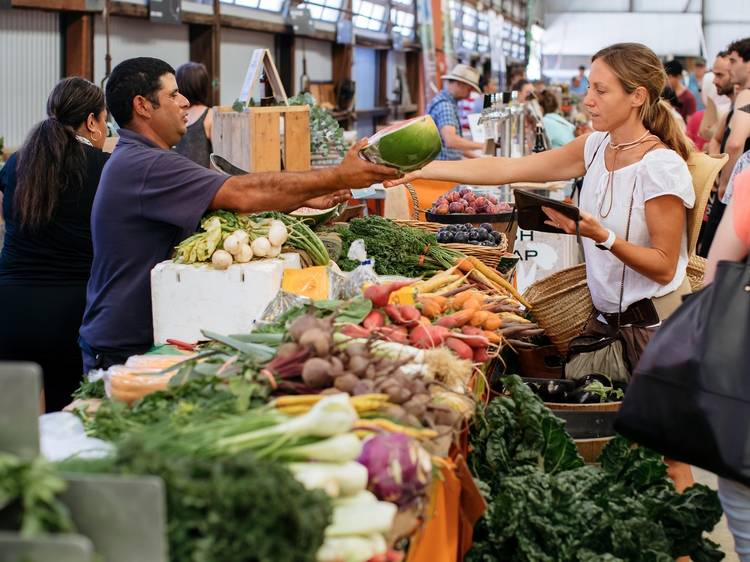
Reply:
x=245, y=254
x=221, y=259
x=277, y=233
x=261, y=246
x=232, y=244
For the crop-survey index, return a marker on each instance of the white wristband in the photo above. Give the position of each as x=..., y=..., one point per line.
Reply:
x=609, y=242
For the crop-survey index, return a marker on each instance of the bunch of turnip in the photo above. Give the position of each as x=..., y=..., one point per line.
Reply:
x=265, y=241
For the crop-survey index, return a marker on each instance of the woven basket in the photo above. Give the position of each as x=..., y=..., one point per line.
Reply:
x=490, y=256
x=695, y=269
x=561, y=304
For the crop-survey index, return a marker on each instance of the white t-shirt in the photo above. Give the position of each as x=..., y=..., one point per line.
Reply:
x=660, y=172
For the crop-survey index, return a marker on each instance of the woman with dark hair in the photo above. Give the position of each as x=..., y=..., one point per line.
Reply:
x=49, y=188
x=194, y=83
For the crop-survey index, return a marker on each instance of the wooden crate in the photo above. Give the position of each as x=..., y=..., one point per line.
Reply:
x=254, y=141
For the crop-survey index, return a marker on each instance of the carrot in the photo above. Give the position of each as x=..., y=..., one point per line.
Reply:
x=492, y=321
x=493, y=337
x=455, y=320
x=464, y=265
x=472, y=304
x=479, y=318
x=432, y=307
x=461, y=298
x=498, y=279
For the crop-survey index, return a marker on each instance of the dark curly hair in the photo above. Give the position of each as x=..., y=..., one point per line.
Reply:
x=134, y=77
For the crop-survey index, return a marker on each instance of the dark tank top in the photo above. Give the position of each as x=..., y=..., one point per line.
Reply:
x=194, y=144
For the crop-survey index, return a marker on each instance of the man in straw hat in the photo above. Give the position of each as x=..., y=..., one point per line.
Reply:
x=443, y=108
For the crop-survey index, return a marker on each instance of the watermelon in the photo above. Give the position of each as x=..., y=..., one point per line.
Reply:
x=407, y=146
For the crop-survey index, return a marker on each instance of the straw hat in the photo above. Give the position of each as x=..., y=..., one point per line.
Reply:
x=466, y=74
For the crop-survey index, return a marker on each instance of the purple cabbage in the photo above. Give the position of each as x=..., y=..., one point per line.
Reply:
x=399, y=468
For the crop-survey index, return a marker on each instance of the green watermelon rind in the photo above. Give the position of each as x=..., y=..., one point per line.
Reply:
x=389, y=148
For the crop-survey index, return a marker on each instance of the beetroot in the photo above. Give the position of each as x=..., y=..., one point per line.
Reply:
x=470, y=211
x=469, y=197
x=480, y=201
x=465, y=191
x=455, y=207
x=399, y=469
x=453, y=196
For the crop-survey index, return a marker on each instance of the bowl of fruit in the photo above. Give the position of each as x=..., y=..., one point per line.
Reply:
x=467, y=233
x=463, y=205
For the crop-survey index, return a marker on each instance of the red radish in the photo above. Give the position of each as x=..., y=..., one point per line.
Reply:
x=427, y=337
x=410, y=314
x=376, y=319
x=355, y=331
x=474, y=341
x=472, y=331
x=481, y=355
x=396, y=334
x=459, y=348
x=379, y=294
x=394, y=313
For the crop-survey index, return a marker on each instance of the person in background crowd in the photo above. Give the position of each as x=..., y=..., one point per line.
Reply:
x=695, y=82
x=675, y=105
x=559, y=130
x=732, y=137
x=525, y=90
x=693, y=129
x=488, y=87
x=579, y=84
x=673, y=69
x=742, y=163
x=443, y=109
x=717, y=86
x=732, y=243
x=49, y=188
x=539, y=86
x=195, y=85
x=150, y=199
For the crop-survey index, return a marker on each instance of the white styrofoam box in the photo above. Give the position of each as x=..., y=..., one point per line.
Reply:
x=189, y=298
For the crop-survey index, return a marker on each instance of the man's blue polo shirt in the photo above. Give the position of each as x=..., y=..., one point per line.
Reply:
x=149, y=200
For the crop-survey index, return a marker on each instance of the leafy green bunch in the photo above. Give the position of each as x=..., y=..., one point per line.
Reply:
x=544, y=505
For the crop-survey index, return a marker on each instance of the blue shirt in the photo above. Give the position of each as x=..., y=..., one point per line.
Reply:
x=695, y=88
x=444, y=111
x=559, y=131
x=582, y=87
x=149, y=200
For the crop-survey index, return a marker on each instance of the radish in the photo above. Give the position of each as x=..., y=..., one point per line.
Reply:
x=221, y=259
x=245, y=254
x=232, y=244
x=427, y=337
x=274, y=252
x=242, y=236
x=261, y=246
x=277, y=233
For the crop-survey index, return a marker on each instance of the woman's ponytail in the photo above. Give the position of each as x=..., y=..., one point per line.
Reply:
x=52, y=160
x=660, y=120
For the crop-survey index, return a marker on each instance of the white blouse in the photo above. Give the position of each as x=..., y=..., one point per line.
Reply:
x=660, y=172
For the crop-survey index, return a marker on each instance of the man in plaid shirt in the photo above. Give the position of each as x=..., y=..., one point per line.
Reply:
x=444, y=111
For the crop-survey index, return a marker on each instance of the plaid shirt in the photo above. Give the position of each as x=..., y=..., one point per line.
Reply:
x=444, y=111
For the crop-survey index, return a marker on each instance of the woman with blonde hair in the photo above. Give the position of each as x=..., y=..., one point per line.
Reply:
x=633, y=202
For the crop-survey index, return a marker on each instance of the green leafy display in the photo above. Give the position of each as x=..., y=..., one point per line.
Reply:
x=235, y=508
x=29, y=501
x=546, y=506
x=326, y=135
x=397, y=250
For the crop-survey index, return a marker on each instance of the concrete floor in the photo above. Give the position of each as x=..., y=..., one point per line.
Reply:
x=720, y=534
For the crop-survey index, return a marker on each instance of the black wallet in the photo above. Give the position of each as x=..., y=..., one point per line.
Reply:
x=531, y=217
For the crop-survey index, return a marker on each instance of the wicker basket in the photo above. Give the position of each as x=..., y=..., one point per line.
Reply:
x=561, y=304
x=695, y=269
x=490, y=256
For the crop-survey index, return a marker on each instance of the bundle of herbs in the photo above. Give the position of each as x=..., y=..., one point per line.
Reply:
x=29, y=497
x=233, y=507
x=397, y=250
x=544, y=505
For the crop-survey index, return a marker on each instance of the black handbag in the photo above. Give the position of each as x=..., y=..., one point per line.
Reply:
x=690, y=395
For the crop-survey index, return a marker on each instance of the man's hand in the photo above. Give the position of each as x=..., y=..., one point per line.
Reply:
x=330, y=200
x=355, y=172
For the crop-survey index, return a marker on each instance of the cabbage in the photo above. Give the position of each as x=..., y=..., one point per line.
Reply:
x=399, y=468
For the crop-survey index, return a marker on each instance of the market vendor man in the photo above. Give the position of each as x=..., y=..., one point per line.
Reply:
x=443, y=109
x=150, y=198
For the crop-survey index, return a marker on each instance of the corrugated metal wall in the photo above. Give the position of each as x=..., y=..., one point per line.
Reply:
x=31, y=47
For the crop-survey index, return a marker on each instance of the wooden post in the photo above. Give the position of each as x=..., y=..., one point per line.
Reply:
x=201, y=39
x=78, y=44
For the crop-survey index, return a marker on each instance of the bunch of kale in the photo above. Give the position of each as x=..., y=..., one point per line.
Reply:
x=545, y=505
